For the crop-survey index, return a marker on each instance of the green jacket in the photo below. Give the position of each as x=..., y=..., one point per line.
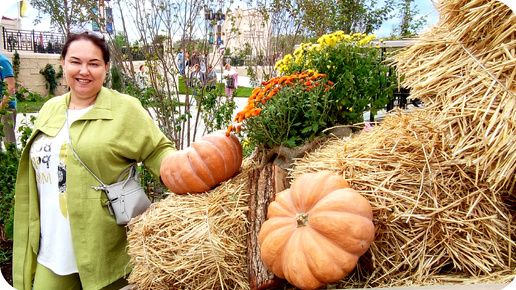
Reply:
x=115, y=133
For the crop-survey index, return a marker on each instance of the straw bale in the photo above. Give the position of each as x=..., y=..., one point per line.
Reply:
x=464, y=70
x=192, y=241
x=432, y=218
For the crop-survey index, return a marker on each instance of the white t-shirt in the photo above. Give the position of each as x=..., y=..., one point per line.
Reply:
x=49, y=158
x=229, y=72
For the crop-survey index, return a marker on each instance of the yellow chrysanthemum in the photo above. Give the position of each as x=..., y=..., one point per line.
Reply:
x=278, y=64
x=287, y=58
x=322, y=39
x=366, y=39
x=316, y=46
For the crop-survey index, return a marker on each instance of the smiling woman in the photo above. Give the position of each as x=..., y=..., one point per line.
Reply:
x=85, y=64
x=63, y=226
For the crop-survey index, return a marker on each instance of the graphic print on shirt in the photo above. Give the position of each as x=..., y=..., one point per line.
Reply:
x=40, y=154
x=61, y=174
x=49, y=159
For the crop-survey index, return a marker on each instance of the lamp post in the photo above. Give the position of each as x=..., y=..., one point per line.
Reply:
x=215, y=19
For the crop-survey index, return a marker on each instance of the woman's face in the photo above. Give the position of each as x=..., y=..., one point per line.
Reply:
x=84, y=68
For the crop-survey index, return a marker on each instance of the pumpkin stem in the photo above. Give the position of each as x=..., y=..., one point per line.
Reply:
x=302, y=219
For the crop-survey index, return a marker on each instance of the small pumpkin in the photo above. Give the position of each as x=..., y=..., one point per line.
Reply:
x=206, y=163
x=316, y=230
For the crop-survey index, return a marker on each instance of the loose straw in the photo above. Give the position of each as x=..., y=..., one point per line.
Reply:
x=463, y=69
x=432, y=217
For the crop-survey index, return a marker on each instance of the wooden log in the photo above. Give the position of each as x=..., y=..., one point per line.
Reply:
x=264, y=182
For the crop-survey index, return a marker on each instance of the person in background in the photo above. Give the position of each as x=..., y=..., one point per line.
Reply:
x=211, y=79
x=197, y=81
x=6, y=102
x=180, y=60
x=231, y=86
x=141, y=77
x=186, y=62
x=195, y=58
x=64, y=234
x=203, y=65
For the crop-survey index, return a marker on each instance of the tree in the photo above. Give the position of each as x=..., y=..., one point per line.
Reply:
x=163, y=28
x=360, y=16
x=292, y=22
x=65, y=14
x=409, y=25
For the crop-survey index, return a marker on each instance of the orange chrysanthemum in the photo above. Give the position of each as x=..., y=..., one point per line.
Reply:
x=271, y=87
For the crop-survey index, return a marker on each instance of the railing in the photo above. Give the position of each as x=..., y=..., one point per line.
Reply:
x=30, y=40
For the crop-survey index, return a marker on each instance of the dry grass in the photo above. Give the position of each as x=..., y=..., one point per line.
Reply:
x=432, y=218
x=193, y=241
x=440, y=181
x=464, y=71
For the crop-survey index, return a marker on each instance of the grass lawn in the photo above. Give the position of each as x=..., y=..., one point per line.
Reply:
x=241, y=92
x=29, y=107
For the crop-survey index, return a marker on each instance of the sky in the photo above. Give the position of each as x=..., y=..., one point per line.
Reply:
x=424, y=7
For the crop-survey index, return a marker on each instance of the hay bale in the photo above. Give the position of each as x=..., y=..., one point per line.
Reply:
x=431, y=216
x=192, y=241
x=464, y=70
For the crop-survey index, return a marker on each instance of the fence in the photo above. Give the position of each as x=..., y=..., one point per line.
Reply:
x=30, y=40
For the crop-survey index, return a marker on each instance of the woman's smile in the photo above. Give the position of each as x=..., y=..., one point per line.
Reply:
x=85, y=71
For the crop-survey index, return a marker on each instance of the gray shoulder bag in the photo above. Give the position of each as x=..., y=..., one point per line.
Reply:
x=126, y=198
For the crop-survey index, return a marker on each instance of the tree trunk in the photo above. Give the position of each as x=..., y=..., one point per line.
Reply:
x=264, y=182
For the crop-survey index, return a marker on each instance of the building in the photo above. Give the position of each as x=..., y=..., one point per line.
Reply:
x=243, y=26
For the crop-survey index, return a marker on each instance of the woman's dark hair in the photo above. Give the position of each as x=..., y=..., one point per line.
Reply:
x=97, y=41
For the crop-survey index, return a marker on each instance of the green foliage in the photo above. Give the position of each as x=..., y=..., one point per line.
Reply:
x=153, y=188
x=247, y=149
x=25, y=94
x=50, y=75
x=288, y=111
x=216, y=114
x=9, y=159
x=16, y=64
x=65, y=14
x=409, y=25
x=6, y=255
x=8, y=168
x=359, y=16
x=116, y=80
x=362, y=81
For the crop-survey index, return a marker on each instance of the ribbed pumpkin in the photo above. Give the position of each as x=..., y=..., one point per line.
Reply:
x=206, y=163
x=316, y=231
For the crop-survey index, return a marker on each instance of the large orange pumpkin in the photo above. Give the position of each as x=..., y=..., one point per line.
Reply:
x=316, y=231
x=206, y=163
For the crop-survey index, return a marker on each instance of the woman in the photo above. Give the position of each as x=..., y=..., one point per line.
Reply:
x=211, y=79
x=64, y=235
x=229, y=72
x=197, y=83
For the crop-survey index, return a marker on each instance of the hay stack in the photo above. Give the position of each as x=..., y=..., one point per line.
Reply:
x=437, y=179
x=431, y=216
x=192, y=241
x=464, y=70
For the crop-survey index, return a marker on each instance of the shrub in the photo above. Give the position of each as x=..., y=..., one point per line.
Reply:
x=50, y=75
x=9, y=159
x=362, y=81
x=288, y=110
x=216, y=114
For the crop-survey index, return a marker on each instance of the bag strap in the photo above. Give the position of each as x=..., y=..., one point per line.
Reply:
x=102, y=186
